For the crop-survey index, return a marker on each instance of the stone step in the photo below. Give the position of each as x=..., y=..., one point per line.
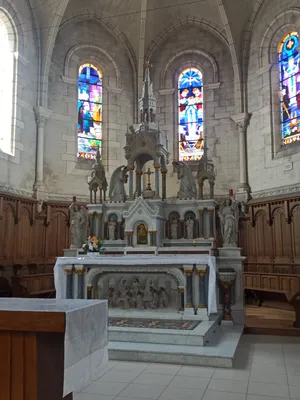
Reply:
x=220, y=352
x=199, y=336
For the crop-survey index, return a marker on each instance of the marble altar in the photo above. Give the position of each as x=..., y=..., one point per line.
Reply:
x=85, y=342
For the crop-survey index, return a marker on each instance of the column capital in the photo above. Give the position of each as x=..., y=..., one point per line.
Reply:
x=241, y=120
x=41, y=115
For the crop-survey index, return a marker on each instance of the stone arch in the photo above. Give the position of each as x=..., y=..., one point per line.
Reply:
x=97, y=55
x=209, y=59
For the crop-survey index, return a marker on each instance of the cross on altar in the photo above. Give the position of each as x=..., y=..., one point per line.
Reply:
x=149, y=173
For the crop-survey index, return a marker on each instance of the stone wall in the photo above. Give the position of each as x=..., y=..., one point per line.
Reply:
x=194, y=47
x=18, y=171
x=269, y=165
x=85, y=41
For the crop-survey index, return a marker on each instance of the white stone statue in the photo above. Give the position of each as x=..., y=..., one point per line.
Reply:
x=78, y=225
x=112, y=229
x=190, y=228
x=229, y=218
x=174, y=228
x=117, y=184
x=188, y=188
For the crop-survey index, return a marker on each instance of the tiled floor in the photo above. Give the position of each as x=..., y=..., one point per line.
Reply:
x=267, y=368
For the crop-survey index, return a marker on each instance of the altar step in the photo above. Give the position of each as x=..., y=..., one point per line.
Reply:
x=219, y=352
x=201, y=335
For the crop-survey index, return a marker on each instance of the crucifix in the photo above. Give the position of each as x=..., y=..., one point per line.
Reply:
x=149, y=173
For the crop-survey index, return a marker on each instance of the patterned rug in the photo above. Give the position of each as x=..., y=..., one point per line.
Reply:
x=153, y=323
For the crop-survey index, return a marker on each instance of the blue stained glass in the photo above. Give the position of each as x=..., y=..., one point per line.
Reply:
x=89, y=111
x=289, y=61
x=190, y=115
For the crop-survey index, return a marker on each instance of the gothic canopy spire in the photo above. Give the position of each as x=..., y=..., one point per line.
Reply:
x=147, y=103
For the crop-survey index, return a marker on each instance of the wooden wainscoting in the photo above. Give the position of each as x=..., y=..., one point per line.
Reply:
x=27, y=236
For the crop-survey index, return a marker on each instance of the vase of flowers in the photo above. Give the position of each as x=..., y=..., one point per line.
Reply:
x=93, y=245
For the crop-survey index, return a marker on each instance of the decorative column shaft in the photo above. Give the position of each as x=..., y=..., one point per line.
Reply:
x=211, y=223
x=153, y=238
x=201, y=226
x=157, y=168
x=80, y=278
x=164, y=184
x=89, y=292
x=41, y=116
x=182, y=230
x=138, y=175
x=181, y=297
x=130, y=184
x=242, y=121
x=202, y=297
x=189, y=287
x=128, y=239
x=226, y=279
x=69, y=288
x=119, y=229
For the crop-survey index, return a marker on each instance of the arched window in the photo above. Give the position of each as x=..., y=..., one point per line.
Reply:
x=7, y=84
x=289, y=58
x=89, y=111
x=190, y=104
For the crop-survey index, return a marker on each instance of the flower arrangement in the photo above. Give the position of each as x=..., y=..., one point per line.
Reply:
x=94, y=245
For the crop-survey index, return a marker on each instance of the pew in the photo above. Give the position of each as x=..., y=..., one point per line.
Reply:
x=287, y=285
x=33, y=285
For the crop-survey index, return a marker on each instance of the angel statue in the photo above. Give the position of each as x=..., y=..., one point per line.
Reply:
x=78, y=224
x=229, y=218
x=117, y=184
x=188, y=188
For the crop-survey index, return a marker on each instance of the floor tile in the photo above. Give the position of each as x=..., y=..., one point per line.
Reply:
x=107, y=388
x=274, y=369
x=268, y=389
x=124, y=365
x=235, y=374
x=153, y=379
x=294, y=380
x=190, y=382
x=135, y=391
x=228, y=385
x=213, y=395
x=120, y=376
x=268, y=377
x=256, y=397
x=295, y=392
x=202, y=372
x=178, y=393
x=166, y=369
x=86, y=396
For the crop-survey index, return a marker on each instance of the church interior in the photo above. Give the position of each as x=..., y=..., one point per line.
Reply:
x=150, y=189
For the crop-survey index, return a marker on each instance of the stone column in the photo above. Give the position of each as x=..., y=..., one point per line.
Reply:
x=242, y=122
x=164, y=184
x=226, y=279
x=138, y=175
x=182, y=229
x=181, y=298
x=157, y=169
x=211, y=223
x=119, y=229
x=80, y=282
x=152, y=238
x=41, y=116
x=130, y=171
x=188, y=272
x=201, y=223
x=69, y=288
x=89, y=292
x=128, y=239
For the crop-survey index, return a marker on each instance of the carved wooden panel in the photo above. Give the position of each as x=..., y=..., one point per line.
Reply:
x=282, y=238
x=7, y=234
x=57, y=235
x=22, y=237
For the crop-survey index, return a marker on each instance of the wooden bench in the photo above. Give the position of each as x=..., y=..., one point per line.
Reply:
x=286, y=284
x=35, y=285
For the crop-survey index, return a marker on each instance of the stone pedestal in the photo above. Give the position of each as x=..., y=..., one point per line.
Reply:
x=226, y=280
x=230, y=258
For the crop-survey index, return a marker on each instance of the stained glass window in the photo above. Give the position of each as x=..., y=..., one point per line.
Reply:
x=6, y=89
x=190, y=104
x=289, y=58
x=89, y=111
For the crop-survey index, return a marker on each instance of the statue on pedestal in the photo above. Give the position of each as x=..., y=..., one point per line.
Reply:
x=117, y=184
x=188, y=188
x=174, y=228
x=190, y=228
x=228, y=214
x=112, y=229
x=78, y=224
